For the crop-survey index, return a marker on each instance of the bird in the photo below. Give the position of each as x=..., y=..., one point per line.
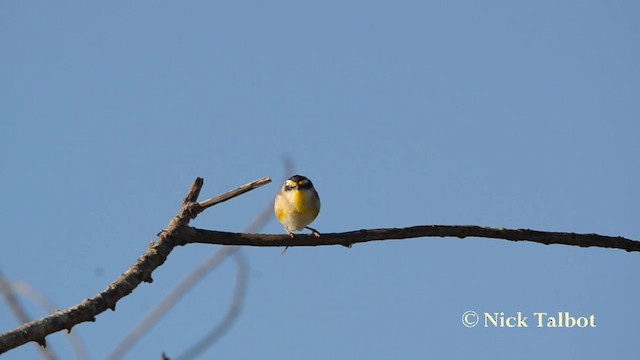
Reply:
x=297, y=204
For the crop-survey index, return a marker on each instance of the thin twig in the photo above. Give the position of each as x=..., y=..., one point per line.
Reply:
x=233, y=193
x=234, y=310
x=194, y=235
x=10, y=297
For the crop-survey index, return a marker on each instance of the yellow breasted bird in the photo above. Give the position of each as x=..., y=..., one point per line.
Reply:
x=297, y=204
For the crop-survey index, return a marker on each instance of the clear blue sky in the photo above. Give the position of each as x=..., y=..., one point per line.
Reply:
x=511, y=114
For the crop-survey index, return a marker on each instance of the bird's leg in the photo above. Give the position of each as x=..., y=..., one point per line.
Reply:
x=291, y=235
x=313, y=231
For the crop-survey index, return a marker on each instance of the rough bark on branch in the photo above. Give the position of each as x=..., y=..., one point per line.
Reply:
x=194, y=235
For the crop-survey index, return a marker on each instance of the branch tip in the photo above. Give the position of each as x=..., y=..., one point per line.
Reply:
x=194, y=192
x=233, y=193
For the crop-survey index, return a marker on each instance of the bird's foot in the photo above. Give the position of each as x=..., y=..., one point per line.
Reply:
x=314, y=232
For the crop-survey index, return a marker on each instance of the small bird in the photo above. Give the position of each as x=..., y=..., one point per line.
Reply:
x=297, y=205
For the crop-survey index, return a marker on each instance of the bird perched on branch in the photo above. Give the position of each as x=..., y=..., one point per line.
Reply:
x=297, y=204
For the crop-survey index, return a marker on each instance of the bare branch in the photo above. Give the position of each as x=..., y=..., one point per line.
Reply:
x=141, y=271
x=194, y=235
x=241, y=284
x=179, y=233
x=196, y=275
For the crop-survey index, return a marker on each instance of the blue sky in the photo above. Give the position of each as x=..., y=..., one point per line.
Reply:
x=495, y=113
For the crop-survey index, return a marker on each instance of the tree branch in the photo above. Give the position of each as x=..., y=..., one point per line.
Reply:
x=179, y=233
x=141, y=271
x=194, y=235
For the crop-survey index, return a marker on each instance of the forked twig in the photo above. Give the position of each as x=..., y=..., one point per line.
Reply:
x=141, y=271
x=196, y=276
